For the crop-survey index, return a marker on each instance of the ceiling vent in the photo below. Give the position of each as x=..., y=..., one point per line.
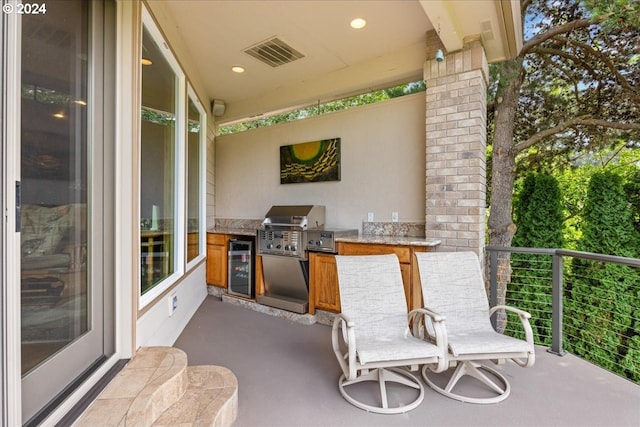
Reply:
x=487, y=31
x=274, y=52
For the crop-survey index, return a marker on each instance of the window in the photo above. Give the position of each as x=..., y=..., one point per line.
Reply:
x=171, y=168
x=195, y=168
x=323, y=108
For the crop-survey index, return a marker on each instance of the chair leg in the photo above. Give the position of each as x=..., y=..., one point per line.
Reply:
x=474, y=370
x=382, y=376
x=383, y=388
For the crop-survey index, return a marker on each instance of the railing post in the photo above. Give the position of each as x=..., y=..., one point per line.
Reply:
x=493, y=284
x=556, y=307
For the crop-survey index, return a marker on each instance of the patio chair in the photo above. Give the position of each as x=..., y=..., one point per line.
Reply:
x=374, y=328
x=453, y=287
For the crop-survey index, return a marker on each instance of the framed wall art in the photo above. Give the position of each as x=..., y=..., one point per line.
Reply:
x=314, y=161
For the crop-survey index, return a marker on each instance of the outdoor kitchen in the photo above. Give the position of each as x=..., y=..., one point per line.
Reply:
x=365, y=202
x=291, y=266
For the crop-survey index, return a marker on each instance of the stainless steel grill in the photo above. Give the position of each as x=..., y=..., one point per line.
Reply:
x=282, y=244
x=284, y=230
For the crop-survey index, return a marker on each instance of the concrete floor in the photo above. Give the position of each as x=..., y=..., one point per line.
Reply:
x=287, y=376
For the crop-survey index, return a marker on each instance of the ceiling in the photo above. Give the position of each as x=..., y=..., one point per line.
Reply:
x=337, y=60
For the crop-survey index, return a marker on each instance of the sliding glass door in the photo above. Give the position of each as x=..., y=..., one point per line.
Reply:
x=65, y=253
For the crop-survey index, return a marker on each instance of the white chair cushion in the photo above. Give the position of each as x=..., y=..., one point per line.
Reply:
x=378, y=349
x=461, y=344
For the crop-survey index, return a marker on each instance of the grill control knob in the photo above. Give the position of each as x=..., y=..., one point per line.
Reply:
x=286, y=247
x=269, y=245
x=293, y=248
x=278, y=246
x=318, y=242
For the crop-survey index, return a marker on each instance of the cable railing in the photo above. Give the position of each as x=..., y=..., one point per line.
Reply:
x=584, y=303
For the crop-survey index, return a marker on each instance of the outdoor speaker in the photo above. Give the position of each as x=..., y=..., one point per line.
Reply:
x=217, y=107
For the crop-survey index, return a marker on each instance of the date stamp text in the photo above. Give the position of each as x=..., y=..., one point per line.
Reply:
x=25, y=8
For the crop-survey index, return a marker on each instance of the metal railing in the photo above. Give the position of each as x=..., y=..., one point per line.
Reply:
x=584, y=303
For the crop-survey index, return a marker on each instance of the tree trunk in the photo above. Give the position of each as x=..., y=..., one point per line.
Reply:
x=501, y=226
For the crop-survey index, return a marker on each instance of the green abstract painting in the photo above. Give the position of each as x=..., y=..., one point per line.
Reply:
x=314, y=161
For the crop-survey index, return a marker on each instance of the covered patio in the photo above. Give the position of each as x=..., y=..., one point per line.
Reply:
x=287, y=376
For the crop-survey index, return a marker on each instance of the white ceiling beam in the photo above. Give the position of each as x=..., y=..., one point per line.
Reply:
x=445, y=23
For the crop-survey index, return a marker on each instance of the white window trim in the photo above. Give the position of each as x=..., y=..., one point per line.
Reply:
x=180, y=169
x=202, y=147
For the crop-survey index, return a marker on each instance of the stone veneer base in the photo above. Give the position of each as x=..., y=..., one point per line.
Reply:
x=321, y=316
x=216, y=291
x=325, y=317
x=305, y=319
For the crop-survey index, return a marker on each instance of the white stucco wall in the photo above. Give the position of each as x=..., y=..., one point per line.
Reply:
x=157, y=327
x=382, y=165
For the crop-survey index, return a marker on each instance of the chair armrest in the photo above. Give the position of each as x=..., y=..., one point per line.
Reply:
x=432, y=314
x=342, y=325
x=339, y=316
x=528, y=332
x=430, y=326
x=521, y=313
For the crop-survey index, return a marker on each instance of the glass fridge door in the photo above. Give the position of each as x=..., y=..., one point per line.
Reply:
x=240, y=268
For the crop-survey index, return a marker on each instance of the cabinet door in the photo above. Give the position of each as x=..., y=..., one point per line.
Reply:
x=217, y=265
x=324, y=282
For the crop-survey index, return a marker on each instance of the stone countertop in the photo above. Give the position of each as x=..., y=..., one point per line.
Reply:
x=389, y=240
x=366, y=238
x=233, y=231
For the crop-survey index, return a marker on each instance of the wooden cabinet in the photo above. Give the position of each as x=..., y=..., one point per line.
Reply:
x=323, y=277
x=323, y=283
x=217, y=259
x=193, y=245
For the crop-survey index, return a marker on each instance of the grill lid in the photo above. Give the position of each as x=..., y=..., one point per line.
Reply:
x=295, y=216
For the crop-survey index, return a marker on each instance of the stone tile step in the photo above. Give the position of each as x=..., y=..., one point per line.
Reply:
x=211, y=399
x=157, y=384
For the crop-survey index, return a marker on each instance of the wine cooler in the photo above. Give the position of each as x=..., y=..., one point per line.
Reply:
x=241, y=268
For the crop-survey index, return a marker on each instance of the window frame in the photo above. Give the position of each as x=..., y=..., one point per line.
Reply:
x=183, y=91
x=202, y=161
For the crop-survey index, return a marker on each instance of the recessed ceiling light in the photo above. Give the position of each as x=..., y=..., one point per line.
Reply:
x=237, y=69
x=80, y=102
x=358, y=23
x=59, y=115
x=146, y=61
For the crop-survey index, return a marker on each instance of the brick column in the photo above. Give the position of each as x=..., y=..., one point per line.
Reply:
x=456, y=117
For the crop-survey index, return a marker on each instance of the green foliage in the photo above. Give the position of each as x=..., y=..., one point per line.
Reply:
x=539, y=218
x=327, y=107
x=593, y=205
x=582, y=71
x=538, y=213
x=607, y=227
x=602, y=297
x=617, y=13
x=632, y=190
x=574, y=182
x=631, y=361
x=157, y=117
